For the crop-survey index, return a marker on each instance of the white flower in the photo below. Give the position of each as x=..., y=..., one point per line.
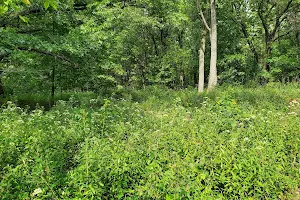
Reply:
x=36, y=192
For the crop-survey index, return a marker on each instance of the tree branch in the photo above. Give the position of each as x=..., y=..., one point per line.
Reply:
x=202, y=16
x=262, y=18
x=6, y=20
x=28, y=12
x=40, y=51
x=47, y=53
x=280, y=36
x=250, y=43
x=279, y=18
x=270, y=10
x=34, y=10
x=245, y=31
x=286, y=8
x=29, y=31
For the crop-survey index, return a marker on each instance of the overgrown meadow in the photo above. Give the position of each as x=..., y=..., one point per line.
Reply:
x=231, y=143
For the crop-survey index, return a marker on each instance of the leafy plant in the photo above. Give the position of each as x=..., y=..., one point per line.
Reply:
x=233, y=143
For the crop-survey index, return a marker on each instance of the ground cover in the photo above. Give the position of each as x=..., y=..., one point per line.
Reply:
x=231, y=143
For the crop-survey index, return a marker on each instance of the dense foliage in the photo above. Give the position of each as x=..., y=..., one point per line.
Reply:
x=98, y=99
x=51, y=45
x=231, y=143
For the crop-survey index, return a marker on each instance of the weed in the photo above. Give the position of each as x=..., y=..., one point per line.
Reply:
x=232, y=143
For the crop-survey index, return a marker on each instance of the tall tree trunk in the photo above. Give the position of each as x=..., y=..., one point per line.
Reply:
x=268, y=54
x=143, y=76
x=298, y=41
x=53, y=85
x=180, y=40
x=53, y=67
x=144, y=66
x=155, y=45
x=162, y=39
x=1, y=87
x=201, y=59
x=213, y=80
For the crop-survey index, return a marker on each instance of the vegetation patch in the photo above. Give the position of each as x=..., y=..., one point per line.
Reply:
x=228, y=144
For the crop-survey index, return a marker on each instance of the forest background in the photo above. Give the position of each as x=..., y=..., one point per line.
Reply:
x=84, y=45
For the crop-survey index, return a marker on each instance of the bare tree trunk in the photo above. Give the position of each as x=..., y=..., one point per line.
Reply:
x=268, y=53
x=155, y=45
x=53, y=67
x=53, y=86
x=213, y=80
x=201, y=59
x=181, y=77
x=180, y=38
x=1, y=87
x=298, y=41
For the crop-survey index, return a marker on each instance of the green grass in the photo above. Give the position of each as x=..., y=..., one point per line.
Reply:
x=231, y=143
x=42, y=100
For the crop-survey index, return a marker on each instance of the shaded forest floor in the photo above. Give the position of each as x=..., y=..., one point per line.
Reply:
x=231, y=143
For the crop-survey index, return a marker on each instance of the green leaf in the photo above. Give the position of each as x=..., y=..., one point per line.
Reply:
x=27, y=2
x=54, y=5
x=24, y=19
x=7, y=2
x=169, y=197
x=46, y=4
x=3, y=9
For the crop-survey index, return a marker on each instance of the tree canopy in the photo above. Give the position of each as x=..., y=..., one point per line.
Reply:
x=98, y=45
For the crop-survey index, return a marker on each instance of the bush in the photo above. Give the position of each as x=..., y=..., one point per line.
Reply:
x=231, y=143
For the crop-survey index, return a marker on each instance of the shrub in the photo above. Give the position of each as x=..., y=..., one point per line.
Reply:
x=232, y=143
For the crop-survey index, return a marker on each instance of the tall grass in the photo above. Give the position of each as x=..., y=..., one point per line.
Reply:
x=231, y=143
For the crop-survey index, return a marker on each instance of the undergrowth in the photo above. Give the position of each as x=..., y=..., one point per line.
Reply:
x=231, y=143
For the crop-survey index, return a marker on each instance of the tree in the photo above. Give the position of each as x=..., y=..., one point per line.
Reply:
x=213, y=80
x=1, y=87
x=97, y=45
x=201, y=49
x=267, y=11
x=202, y=59
x=271, y=17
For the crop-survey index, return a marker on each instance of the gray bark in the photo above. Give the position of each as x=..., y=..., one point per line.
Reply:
x=201, y=59
x=213, y=39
